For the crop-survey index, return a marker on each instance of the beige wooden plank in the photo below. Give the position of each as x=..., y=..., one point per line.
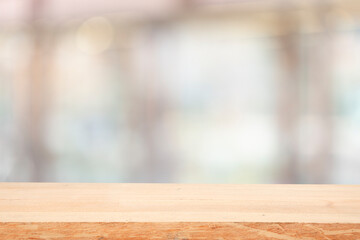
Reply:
x=97, y=202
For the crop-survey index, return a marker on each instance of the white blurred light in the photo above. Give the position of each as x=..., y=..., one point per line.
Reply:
x=95, y=35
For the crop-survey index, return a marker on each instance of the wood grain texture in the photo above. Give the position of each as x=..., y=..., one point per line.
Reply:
x=178, y=211
x=81, y=202
x=179, y=231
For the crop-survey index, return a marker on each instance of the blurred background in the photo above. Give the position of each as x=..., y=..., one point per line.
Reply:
x=187, y=91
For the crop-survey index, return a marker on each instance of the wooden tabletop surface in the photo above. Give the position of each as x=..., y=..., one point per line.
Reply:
x=117, y=202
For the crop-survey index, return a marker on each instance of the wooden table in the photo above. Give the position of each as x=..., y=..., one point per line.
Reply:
x=178, y=211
